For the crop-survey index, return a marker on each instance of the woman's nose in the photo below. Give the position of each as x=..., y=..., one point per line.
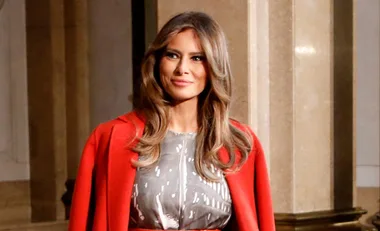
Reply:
x=183, y=67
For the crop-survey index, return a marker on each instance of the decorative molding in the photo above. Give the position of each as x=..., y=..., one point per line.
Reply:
x=347, y=219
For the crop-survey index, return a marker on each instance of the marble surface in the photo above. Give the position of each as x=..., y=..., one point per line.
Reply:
x=312, y=105
x=369, y=199
x=77, y=82
x=14, y=202
x=14, y=140
x=367, y=108
x=47, y=109
x=298, y=123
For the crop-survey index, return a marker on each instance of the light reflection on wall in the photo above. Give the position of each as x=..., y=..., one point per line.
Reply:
x=305, y=50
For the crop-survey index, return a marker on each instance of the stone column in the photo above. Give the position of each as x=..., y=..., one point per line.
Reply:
x=302, y=83
x=47, y=107
x=367, y=105
x=77, y=88
x=14, y=132
x=298, y=118
x=77, y=80
x=14, y=146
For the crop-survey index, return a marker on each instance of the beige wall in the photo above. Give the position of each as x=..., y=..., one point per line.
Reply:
x=110, y=52
x=368, y=198
x=14, y=143
x=368, y=98
x=367, y=37
x=99, y=68
x=14, y=202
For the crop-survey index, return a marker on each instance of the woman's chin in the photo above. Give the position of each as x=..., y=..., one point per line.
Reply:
x=176, y=99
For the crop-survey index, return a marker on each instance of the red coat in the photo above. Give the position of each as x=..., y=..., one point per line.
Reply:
x=105, y=178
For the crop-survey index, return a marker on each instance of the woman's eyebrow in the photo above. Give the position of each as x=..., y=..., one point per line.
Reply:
x=179, y=52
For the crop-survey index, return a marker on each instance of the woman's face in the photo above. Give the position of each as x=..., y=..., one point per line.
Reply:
x=183, y=71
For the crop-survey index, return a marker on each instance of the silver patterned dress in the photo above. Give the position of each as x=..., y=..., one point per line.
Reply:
x=171, y=195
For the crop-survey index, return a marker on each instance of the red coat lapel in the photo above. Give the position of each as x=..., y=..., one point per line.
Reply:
x=121, y=175
x=121, y=172
x=240, y=185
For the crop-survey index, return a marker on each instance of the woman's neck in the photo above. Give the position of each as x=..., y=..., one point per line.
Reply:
x=184, y=116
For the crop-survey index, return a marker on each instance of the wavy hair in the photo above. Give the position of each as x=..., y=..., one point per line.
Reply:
x=215, y=129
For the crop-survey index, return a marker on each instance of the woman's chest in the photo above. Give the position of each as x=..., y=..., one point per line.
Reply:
x=171, y=194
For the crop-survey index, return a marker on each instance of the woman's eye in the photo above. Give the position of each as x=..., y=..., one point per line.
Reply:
x=198, y=58
x=171, y=55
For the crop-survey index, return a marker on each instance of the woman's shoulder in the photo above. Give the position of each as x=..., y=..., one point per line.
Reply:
x=241, y=126
x=123, y=128
x=247, y=129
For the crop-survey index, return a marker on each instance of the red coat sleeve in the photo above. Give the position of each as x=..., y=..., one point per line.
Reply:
x=262, y=190
x=83, y=185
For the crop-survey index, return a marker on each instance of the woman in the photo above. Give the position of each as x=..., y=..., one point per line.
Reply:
x=177, y=162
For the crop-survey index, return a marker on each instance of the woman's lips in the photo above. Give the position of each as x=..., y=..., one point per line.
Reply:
x=181, y=83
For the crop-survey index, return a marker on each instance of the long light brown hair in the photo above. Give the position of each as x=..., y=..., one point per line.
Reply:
x=215, y=130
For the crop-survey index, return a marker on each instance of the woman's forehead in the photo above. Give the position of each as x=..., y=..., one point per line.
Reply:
x=185, y=41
